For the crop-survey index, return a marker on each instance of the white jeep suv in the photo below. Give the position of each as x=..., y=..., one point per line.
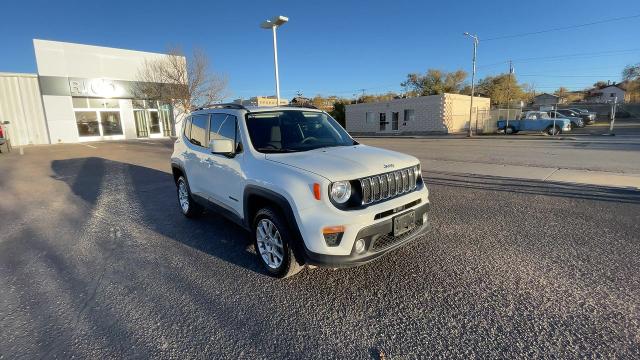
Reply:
x=308, y=192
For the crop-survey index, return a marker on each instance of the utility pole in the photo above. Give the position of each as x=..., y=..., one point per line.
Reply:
x=508, y=96
x=614, y=108
x=473, y=79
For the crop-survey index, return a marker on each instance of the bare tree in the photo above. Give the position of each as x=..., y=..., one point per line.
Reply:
x=185, y=83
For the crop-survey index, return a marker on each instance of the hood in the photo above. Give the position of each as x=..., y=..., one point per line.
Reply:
x=346, y=162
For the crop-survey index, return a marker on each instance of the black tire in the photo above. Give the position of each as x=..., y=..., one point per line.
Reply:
x=192, y=209
x=553, y=130
x=289, y=265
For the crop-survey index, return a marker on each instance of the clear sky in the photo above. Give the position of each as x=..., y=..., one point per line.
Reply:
x=340, y=47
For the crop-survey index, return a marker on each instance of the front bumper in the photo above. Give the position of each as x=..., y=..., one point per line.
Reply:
x=379, y=240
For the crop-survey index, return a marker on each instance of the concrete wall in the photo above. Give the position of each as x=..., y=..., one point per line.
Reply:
x=56, y=58
x=432, y=114
x=456, y=111
x=21, y=105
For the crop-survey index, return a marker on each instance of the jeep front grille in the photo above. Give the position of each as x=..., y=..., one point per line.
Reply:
x=384, y=186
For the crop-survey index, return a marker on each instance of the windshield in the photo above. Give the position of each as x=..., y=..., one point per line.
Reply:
x=295, y=130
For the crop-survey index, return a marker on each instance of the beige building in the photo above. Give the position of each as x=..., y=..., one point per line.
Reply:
x=261, y=101
x=447, y=113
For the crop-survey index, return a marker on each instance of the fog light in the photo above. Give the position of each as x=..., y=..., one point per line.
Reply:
x=360, y=245
x=333, y=235
x=424, y=218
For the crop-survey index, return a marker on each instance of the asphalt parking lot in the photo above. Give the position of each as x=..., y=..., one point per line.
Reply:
x=96, y=261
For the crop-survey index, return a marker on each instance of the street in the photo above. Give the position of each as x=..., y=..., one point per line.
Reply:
x=96, y=261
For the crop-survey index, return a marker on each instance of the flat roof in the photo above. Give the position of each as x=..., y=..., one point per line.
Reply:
x=95, y=47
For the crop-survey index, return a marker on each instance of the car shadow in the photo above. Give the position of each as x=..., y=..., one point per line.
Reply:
x=151, y=196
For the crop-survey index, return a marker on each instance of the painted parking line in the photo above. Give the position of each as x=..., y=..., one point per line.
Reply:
x=91, y=146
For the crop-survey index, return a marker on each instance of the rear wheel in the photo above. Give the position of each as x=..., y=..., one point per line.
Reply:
x=551, y=130
x=272, y=240
x=189, y=207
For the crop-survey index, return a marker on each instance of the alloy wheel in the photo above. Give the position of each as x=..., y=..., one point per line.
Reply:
x=183, y=196
x=270, y=243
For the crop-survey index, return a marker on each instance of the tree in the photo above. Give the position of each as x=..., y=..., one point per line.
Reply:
x=185, y=83
x=434, y=82
x=631, y=72
x=600, y=84
x=501, y=89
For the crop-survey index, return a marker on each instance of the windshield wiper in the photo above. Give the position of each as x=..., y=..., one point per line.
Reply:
x=270, y=150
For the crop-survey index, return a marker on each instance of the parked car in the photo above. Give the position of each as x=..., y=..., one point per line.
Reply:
x=576, y=121
x=535, y=121
x=3, y=134
x=589, y=117
x=293, y=177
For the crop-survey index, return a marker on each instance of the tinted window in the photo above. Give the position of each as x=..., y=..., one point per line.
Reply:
x=223, y=126
x=187, y=127
x=199, y=129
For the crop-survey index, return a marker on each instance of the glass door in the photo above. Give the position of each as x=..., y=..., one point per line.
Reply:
x=154, y=122
x=165, y=116
x=142, y=129
x=394, y=120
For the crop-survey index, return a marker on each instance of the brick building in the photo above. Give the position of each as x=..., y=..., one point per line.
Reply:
x=447, y=113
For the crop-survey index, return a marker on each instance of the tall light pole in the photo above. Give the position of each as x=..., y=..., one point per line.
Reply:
x=273, y=24
x=473, y=77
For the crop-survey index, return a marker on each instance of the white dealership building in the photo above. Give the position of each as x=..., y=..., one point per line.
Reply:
x=82, y=93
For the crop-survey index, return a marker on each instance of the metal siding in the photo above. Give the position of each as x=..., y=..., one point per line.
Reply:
x=21, y=104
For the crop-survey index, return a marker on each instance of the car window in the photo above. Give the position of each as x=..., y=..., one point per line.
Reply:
x=187, y=127
x=223, y=126
x=199, y=129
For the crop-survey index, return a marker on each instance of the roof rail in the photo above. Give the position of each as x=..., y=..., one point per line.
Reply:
x=307, y=106
x=222, y=106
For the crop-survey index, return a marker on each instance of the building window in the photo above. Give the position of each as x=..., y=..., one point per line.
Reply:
x=369, y=118
x=409, y=115
x=88, y=124
x=97, y=117
x=111, y=124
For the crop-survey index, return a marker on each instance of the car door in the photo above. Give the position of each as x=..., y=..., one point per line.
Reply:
x=196, y=157
x=529, y=122
x=224, y=173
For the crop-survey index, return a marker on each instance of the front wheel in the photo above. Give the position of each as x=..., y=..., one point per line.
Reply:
x=272, y=240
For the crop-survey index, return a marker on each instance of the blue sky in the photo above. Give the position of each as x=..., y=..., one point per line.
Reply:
x=340, y=47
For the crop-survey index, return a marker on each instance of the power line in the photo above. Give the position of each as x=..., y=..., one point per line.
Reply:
x=561, y=28
x=568, y=76
x=562, y=57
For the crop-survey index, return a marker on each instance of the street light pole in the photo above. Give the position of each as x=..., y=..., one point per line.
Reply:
x=275, y=62
x=273, y=24
x=473, y=78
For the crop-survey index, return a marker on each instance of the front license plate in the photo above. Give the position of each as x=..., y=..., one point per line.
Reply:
x=404, y=223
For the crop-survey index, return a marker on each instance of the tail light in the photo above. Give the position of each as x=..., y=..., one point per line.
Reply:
x=1, y=132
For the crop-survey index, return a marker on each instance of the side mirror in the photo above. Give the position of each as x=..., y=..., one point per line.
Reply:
x=221, y=146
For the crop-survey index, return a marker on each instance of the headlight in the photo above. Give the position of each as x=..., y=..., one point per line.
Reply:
x=340, y=191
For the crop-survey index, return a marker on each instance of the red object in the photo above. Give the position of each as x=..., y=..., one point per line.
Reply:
x=1, y=132
x=316, y=191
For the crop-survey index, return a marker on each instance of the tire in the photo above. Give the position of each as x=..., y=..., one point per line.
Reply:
x=553, y=130
x=510, y=130
x=272, y=239
x=188, y=207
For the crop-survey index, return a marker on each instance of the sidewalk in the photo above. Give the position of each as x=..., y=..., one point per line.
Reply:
x=599, y=178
